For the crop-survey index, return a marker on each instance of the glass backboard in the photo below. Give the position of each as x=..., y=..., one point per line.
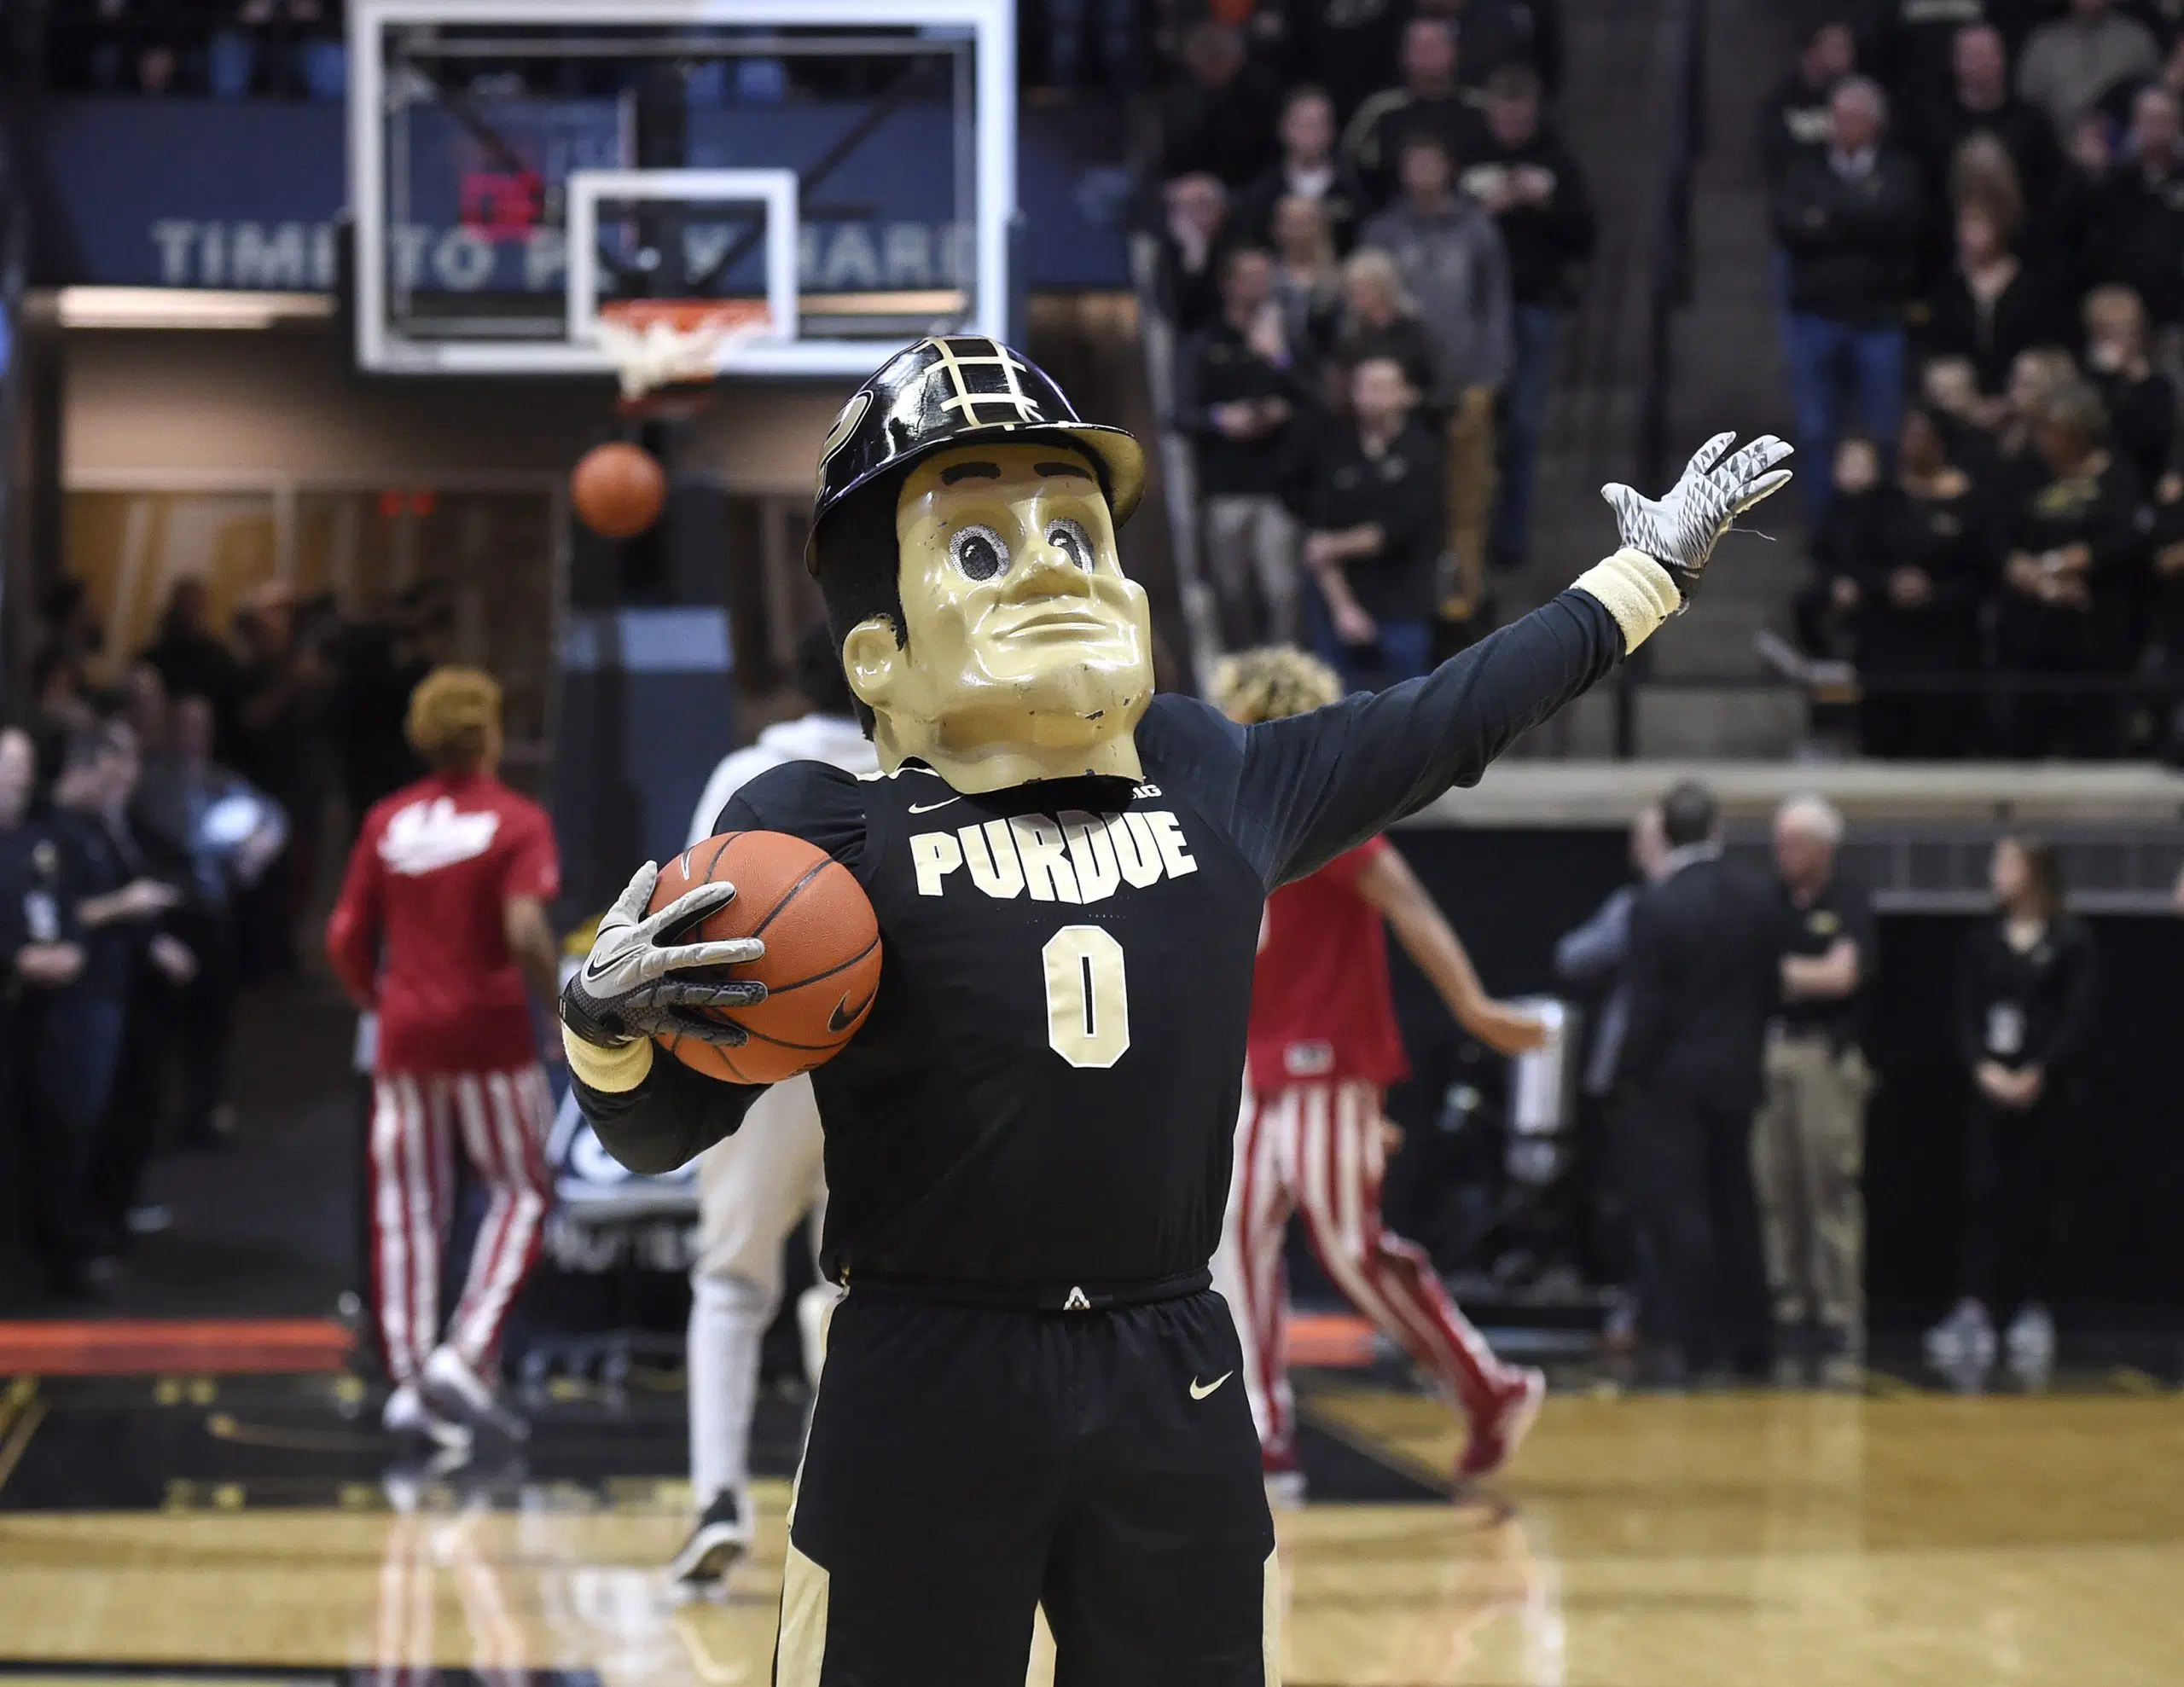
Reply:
x=851, y=164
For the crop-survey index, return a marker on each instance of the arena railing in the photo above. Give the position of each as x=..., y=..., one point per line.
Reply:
x=2149, y=704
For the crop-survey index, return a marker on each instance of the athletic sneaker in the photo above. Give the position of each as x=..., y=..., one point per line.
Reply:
x=722, y=1535
x=1965, y=1338
x=455, y=1390
x=1500, y=1429
x=1285, y=1479
x=2031, y=1338
x=407, y=1412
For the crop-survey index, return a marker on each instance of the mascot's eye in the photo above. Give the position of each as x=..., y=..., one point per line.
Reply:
x=1070, y=538
x=979, y=553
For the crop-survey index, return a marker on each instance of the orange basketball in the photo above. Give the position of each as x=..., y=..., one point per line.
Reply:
x=618, y=489
x=821, y=965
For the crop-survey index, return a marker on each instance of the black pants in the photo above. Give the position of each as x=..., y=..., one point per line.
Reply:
x=205, y=1026
x=966, y=1465
x=16, y=1125
x=139, y=1100
x=70, y=1052
x=1604, y=1169
x=2011, y=1178
x=1703, y=1288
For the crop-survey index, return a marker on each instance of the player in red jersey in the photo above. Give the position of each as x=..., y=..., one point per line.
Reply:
x=441, y=926
x=1312, y=1139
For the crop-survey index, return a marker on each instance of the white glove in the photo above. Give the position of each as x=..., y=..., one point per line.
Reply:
x=627, y=987
x=1681, y=531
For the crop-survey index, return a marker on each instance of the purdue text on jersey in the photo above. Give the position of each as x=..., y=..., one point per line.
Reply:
x=1070, y=857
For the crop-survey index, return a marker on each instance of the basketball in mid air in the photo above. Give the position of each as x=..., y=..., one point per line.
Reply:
x=821, y=965
x=618, y=489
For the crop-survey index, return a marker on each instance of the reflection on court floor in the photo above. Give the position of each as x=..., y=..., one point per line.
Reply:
x=1804, y=1538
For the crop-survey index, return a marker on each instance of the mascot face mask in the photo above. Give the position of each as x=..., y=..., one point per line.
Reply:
x=1026, y=652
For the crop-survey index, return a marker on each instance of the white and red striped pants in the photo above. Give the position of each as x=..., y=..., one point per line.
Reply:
x=503, y=1119
x=1314, y=1150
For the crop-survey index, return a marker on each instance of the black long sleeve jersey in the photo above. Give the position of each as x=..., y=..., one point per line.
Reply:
x=1043, y=1096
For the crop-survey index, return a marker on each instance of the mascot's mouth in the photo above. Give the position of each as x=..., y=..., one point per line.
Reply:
x=1069, y=622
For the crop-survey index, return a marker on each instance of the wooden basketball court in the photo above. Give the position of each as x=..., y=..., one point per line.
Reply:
x=234, y=1530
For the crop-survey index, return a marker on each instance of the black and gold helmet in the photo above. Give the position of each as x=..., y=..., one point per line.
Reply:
x=944, y=392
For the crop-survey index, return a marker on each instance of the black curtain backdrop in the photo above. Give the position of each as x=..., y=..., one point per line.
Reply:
x=2121, y=1258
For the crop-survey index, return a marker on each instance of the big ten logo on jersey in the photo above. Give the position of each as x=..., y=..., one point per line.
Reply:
x=1070, y=857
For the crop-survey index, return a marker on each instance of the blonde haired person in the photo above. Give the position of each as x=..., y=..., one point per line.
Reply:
x=2140, y=400
x=441, y=932
x=1312, y=1137
x=2034, y=376
x=1379, y=319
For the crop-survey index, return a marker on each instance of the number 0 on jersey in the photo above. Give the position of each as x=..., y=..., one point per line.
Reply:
x=1087, y=996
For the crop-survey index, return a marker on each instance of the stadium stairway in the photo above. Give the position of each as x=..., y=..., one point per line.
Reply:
x=1727, y=373
x=1618, y=112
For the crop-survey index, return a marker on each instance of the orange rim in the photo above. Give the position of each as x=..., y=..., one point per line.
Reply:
x=687, y=316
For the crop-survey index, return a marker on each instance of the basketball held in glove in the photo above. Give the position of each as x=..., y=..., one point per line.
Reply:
x=821, y=965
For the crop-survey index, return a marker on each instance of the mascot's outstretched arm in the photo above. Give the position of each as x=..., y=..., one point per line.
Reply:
x=1328, y=780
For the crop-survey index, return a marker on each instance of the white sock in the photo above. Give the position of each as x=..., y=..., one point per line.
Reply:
x=728, y=1317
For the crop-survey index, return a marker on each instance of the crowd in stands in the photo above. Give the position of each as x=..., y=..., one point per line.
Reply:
x=160, y=830
x=295, y=49
x=1371, y=233
x=229, y=50
x=1979, y=211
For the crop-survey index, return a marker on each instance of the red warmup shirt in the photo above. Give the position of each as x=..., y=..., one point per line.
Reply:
x=1321, y=1006
x=418, y=931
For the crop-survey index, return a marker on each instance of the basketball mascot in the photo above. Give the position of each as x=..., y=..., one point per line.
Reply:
x=1029, y=1398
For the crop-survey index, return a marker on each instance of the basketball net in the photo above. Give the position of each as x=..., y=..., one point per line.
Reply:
x=667, y=351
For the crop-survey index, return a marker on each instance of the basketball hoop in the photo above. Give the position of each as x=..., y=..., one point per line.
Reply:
x=667, y=351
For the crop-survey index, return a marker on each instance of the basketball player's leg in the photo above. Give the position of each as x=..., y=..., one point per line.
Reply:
x=412, y=1173
x=752, y=1187
x=926, y=1506
x=1163, y=1573
x=815, y=1307
x=1247, y=1267
x=1340, y=1160
x=504, y=1117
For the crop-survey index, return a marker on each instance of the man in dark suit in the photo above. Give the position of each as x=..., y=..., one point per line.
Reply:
x=1704, y=974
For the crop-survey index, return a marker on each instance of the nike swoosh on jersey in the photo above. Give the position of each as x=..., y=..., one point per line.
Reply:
x=928, y=808
x=1200, y=1390
x=844, y=1016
